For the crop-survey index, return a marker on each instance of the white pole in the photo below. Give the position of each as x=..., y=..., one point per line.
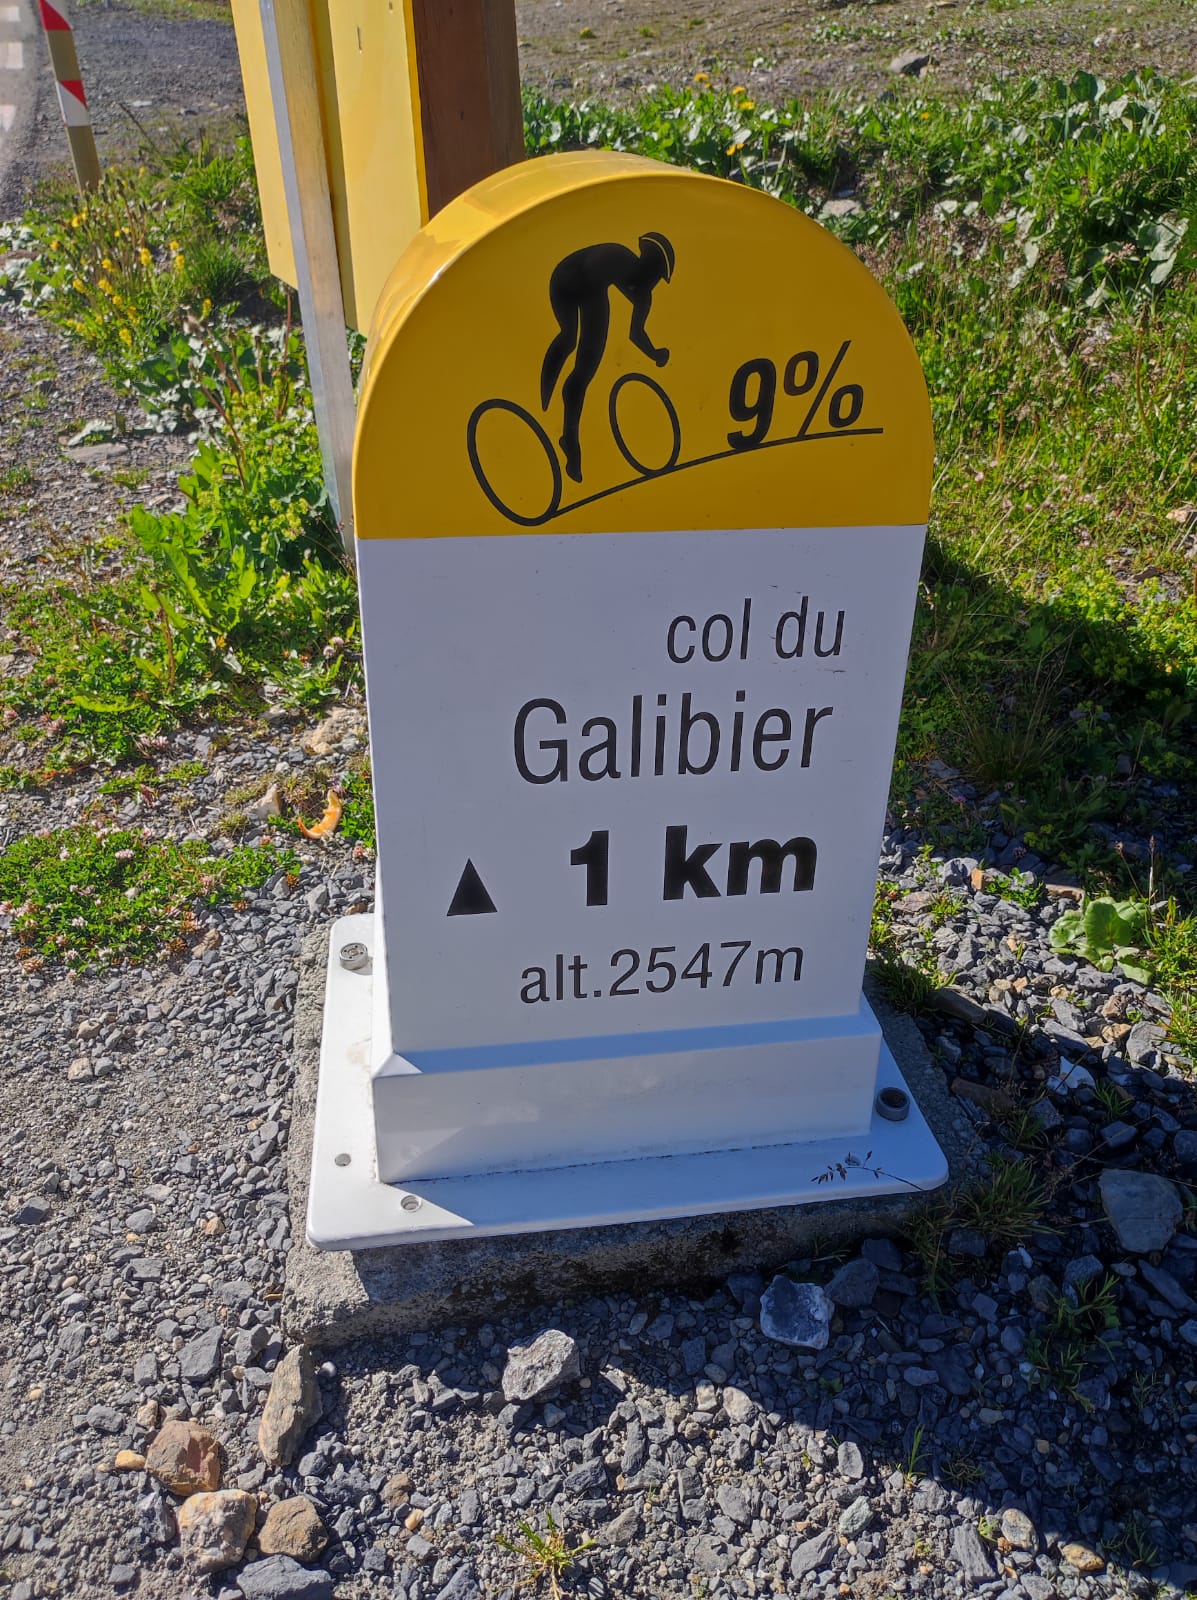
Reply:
x=294, y=94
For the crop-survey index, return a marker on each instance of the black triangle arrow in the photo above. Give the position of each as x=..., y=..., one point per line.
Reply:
x=470, y=898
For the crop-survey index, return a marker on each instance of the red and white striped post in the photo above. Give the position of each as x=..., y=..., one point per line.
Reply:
x=61, y=39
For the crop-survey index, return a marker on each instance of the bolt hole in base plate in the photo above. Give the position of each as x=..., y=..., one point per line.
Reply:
x=349, y=1209
x=893, y=1104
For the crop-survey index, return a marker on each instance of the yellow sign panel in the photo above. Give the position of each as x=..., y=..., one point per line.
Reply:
x=599, y=342
x=370, y=114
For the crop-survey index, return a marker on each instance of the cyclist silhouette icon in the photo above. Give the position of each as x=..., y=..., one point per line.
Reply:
x=580, y=294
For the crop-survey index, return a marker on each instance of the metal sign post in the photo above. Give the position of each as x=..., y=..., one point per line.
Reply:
x=641, y=482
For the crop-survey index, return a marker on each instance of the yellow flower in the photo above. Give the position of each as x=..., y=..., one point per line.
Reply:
x=116, y=300
x=141, y=172
x=107, y=265
x=53, y=244
x=174, y=244
x=206, y=308
x=179, y=262
x=125, y=336
x=739, y=89
x=734, y=149
x=144, y=256
x=74, y=222
x=702, y=79
x=104, y=286
x=746, y=105
x=79, y=285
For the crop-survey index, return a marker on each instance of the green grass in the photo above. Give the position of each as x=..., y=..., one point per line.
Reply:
x=90, y=894
x=1076, y=1334
x=1006, y=1205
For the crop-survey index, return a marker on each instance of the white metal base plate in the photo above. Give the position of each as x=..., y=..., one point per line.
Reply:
x=349, y=1209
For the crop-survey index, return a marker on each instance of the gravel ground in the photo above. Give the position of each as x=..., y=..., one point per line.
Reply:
x=936, y=1445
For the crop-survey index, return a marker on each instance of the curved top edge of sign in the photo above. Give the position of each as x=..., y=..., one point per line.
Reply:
x=473, y=315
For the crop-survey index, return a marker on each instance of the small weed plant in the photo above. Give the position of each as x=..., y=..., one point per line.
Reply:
x=547, y=1554
x=1077, y=1332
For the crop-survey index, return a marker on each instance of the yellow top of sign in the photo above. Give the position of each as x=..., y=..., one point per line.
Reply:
x=601, y=343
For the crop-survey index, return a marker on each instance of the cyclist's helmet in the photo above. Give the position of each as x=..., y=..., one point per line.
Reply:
x=659, y=242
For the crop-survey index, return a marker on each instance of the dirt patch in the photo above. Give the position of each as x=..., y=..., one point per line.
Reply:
x=617, y=47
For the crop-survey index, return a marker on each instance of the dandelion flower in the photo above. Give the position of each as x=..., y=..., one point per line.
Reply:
x=107, y=265
x=746, y=105
x=103, y=285
x=125, y=336
x=144, y=256
x=702, y=79
x=179, y=262
x=739, y=89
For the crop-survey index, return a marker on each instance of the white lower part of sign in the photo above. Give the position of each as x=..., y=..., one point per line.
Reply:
x=486, y=1147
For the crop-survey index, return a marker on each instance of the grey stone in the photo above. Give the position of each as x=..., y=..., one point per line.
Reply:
x=1118, y=1135
x=1070, y=1076
x=855, y=1518
x=590, y=1477
x=694, y=1356
x=1166, y=1286
x=280, y=1578
x=461, y=1586
x=1082, y=1270
x=97, y=455
x=883, y=1253
x=535, y=1371
x=143, y=1221
x=199, y=1359
x=854, y=1285
x=292, y=1406
x=1143, y=1041
x=739, y=1406
x=621, y=1529
x=32, y=1212
x=734, y=1503
x=849, y=1460
x=971, y=1555
x=796, y=1314
x=1184, y=1144
x=1188, y=1332
x=1018, y=1528
x=705, y=1553
x=106, y=1419
x=1144, y=1209
x=813, y=1554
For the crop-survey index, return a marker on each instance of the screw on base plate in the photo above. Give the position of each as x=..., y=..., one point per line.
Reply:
x=354, y=957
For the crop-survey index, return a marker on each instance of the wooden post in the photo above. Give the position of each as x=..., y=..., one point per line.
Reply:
x=471, y=116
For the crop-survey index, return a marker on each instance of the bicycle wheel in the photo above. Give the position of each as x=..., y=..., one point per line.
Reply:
x=617, y=389
x=484, y=482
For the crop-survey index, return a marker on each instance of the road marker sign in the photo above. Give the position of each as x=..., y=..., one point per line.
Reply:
x=72, y=101
x=642, y=472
